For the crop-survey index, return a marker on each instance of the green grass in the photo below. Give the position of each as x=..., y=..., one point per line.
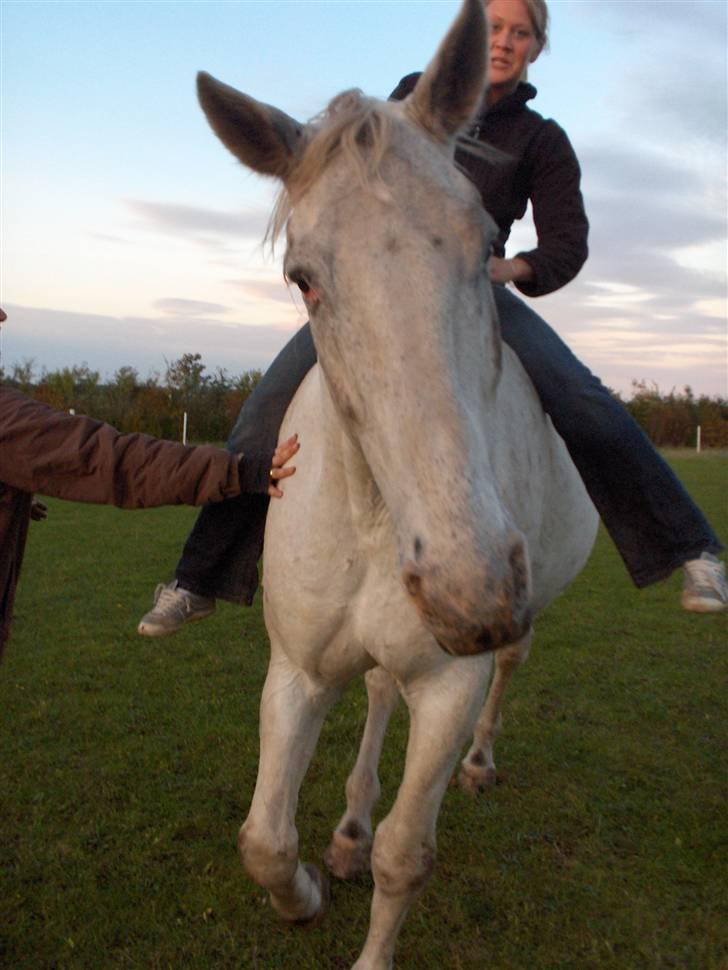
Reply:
x=126, y=767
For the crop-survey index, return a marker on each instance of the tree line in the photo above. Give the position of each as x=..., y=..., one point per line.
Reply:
x=156, y=404
x=671, y=420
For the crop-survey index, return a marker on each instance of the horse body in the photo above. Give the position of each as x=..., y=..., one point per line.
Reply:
x=434, y=508
x=333, y=592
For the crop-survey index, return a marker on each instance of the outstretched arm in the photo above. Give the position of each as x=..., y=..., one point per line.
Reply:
x=75, y=457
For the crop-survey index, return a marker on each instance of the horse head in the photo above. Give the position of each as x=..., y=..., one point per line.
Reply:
x=389, y=244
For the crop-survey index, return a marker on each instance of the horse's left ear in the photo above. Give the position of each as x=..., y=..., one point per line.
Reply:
x=450, y=91
x=260, y=136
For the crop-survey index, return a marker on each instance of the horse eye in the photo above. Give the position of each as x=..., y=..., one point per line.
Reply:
x=301, y=282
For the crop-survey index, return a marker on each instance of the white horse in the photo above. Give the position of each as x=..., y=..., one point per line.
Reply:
x=434, y=509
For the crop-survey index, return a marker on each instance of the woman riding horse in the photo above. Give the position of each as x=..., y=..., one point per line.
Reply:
x=652, y=520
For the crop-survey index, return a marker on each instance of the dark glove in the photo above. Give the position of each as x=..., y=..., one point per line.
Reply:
x=254, y=472
x=38, y=511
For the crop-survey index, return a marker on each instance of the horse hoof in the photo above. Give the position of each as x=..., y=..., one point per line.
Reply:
x=321, y=880
x=475, y=779
x=347, y=857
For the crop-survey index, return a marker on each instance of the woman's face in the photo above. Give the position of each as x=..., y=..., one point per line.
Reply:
x=513, y=44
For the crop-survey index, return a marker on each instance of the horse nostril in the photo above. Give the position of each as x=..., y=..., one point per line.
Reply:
x=412, y=583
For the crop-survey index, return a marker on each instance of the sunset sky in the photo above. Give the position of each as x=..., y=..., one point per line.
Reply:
x=130, y=236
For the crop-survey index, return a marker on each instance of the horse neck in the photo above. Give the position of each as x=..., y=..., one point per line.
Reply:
x=342, y=457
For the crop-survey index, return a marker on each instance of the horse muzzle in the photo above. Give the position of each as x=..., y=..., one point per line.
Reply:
x=480, y=614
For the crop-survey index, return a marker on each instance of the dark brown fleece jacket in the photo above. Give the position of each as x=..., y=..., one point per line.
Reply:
x=74, y=457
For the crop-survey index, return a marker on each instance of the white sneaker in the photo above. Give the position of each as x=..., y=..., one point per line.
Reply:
x=704, y=585
x=173, y=607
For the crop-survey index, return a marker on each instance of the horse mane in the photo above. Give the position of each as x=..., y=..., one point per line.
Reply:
x=352, y=125
x=359, y=128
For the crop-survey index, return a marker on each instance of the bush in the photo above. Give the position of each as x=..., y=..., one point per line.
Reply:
x=152, y=406
x=672, y=420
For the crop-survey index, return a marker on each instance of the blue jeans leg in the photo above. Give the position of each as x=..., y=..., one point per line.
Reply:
x=220, y=556
x=652, y=520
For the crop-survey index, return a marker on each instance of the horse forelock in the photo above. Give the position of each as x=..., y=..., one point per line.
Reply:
x=354, y=126
x=362, y=130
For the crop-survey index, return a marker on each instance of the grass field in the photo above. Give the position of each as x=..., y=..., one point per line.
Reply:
x=126, y=767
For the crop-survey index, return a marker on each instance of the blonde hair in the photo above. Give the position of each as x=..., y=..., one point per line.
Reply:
x=539, y=14
x=538, y=11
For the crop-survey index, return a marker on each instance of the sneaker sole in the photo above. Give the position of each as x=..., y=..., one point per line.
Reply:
x=703, y=606
x=152, y=631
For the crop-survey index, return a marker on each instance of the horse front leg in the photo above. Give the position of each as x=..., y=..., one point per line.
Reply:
x=292, y=711
x=477, y=769
x=443, y=705
x=350, y=848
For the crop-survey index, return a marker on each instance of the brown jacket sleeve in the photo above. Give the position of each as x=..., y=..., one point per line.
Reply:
x=75, y=457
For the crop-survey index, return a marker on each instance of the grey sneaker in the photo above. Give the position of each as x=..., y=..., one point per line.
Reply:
x=704, y=585
x=173, y=607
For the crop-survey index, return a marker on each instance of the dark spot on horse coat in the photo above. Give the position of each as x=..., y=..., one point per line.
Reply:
x=485, y=640
x=352, y=830
x=391, y=245
x=437, y=242
x=418, y=548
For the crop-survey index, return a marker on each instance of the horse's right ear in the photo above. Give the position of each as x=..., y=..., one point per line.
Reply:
x=451, y=90
x=260, y=136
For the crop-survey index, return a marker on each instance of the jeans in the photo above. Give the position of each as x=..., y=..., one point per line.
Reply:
x=652, y=520
x=220, y=557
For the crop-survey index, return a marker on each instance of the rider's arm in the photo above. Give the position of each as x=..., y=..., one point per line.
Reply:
x=558, y=213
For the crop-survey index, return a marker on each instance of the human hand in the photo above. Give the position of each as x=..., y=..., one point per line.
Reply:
x=509, y=270
x=283, y=453
x=38, y=510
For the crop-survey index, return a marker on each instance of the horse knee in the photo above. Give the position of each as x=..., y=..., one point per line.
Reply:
x=511, y=657
x=269, y=861
x=400, y=869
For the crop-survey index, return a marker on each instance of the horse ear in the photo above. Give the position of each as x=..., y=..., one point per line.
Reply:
x=450, y=91
x=260, y=136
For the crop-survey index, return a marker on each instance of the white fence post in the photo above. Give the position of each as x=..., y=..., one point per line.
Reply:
x=698, y=440
x=184, y=428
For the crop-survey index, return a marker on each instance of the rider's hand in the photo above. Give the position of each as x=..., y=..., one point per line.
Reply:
x=509, y=270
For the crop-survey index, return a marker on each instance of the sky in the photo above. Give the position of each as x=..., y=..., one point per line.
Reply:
x=131, y=237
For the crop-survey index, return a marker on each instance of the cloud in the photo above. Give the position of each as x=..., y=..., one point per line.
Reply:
x=104, y=237
x=648, y=301
x=56, y=339
x=178, y=307
x=273, y=290
x=709, y=16
x=639, y=172
x=629, y=340
x=675, y=87
x=180, y=220
x=657, y=248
